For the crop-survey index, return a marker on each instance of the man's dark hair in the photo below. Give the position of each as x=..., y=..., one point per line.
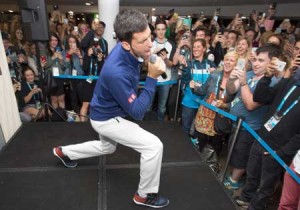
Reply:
x=102, y=23
x=201, y=28
x=255, y=33
x=160, y=21
x=234, y=32
x=272, y=50
x=129, y=22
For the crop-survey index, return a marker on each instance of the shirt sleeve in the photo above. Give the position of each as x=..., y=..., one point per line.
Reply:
x=125, y=94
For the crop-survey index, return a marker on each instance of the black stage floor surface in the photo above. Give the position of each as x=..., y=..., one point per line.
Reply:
x=31, y=178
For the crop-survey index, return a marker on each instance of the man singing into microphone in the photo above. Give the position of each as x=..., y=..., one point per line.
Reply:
x=115, y=97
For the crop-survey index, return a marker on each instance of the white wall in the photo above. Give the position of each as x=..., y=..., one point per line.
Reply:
x=9, y=114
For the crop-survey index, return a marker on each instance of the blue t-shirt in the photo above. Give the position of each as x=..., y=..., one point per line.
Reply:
x=255, y=117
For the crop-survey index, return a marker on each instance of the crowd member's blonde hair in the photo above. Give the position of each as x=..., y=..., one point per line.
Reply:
x=232, y=54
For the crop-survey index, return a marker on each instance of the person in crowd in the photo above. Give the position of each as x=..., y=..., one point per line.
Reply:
x=97, y=32
x=183, y=40
x=222, y=44
x=31, y=93
x=13, y=59
x=290, y=196
x=252, y=35
x=30, y=51
x=276, y=39
x=17, y=39
x=165, y=50
x=198, y=69
x=115, y=98
x=244, y=50
x=25, y=117
x=73, y=58
x=202, y=32
x=243, y=84
x=83, y=30
x=214, y=92
x=296, y=56
x=92, y=65
x=279, y=131
x=55, y=66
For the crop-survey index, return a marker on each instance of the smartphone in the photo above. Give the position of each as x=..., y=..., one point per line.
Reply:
x=280, y=65
x=216, y=18
x=254, y=49
x=58, y=49
x=43, y=58
x=241, y=63
x=66, y=20
x=185, y=36
x=162, y=50
x=76, y=28
x=277, y=31
x=221, y=30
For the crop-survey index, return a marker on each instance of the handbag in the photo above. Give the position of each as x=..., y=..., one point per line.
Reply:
x=222, y=125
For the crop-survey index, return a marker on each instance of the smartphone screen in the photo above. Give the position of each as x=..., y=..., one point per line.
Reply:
x=241, y=63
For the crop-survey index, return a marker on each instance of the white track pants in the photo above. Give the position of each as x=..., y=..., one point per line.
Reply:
x=119, y=130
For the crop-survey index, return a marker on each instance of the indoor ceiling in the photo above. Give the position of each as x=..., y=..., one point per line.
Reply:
x=165, y=3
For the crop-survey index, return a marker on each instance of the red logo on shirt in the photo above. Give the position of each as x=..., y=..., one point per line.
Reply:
x=131, y=98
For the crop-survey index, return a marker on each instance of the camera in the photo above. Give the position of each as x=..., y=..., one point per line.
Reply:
x=95, y=48
x=185, y=36
x=182, y=51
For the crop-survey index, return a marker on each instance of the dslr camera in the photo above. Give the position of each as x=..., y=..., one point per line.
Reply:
x=95, y=48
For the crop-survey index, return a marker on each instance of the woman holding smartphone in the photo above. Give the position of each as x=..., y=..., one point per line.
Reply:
x=55, y=66
x=31, y=93
x=73, y=59
x=214, y=92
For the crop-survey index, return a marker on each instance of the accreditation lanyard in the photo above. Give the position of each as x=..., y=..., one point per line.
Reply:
x=103, y=46
x=34, y=96
x=275, y=119
x=91, y=67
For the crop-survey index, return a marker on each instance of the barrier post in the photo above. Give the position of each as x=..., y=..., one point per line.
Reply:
x=236, y=132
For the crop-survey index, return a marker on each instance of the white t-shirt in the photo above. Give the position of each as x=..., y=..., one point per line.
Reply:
x=158, y=46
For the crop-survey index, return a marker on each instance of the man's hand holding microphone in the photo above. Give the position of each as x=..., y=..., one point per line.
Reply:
x=156, y=67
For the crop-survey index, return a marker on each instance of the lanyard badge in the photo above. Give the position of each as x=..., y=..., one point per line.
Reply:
x=272, y=122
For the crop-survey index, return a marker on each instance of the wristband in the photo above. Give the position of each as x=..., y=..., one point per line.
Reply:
x=243, y=84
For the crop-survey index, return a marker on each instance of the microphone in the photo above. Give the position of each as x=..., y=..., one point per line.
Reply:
x=152, y=60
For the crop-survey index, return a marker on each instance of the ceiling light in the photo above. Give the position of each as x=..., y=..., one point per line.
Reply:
x=11, y=11
x=89, y=3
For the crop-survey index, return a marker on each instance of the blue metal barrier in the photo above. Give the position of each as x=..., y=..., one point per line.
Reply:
x=170, y=82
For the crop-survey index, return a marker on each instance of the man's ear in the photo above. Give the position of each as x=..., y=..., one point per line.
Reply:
x=126, y=45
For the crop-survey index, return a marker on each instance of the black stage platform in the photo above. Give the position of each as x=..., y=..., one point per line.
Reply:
x=31, y=178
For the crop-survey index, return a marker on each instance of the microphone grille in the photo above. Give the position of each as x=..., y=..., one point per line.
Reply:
x=152, y=58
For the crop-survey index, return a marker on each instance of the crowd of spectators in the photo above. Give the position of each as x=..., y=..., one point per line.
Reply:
x=220, y=64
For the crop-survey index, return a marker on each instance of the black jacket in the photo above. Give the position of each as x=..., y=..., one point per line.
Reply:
x=284, y=138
